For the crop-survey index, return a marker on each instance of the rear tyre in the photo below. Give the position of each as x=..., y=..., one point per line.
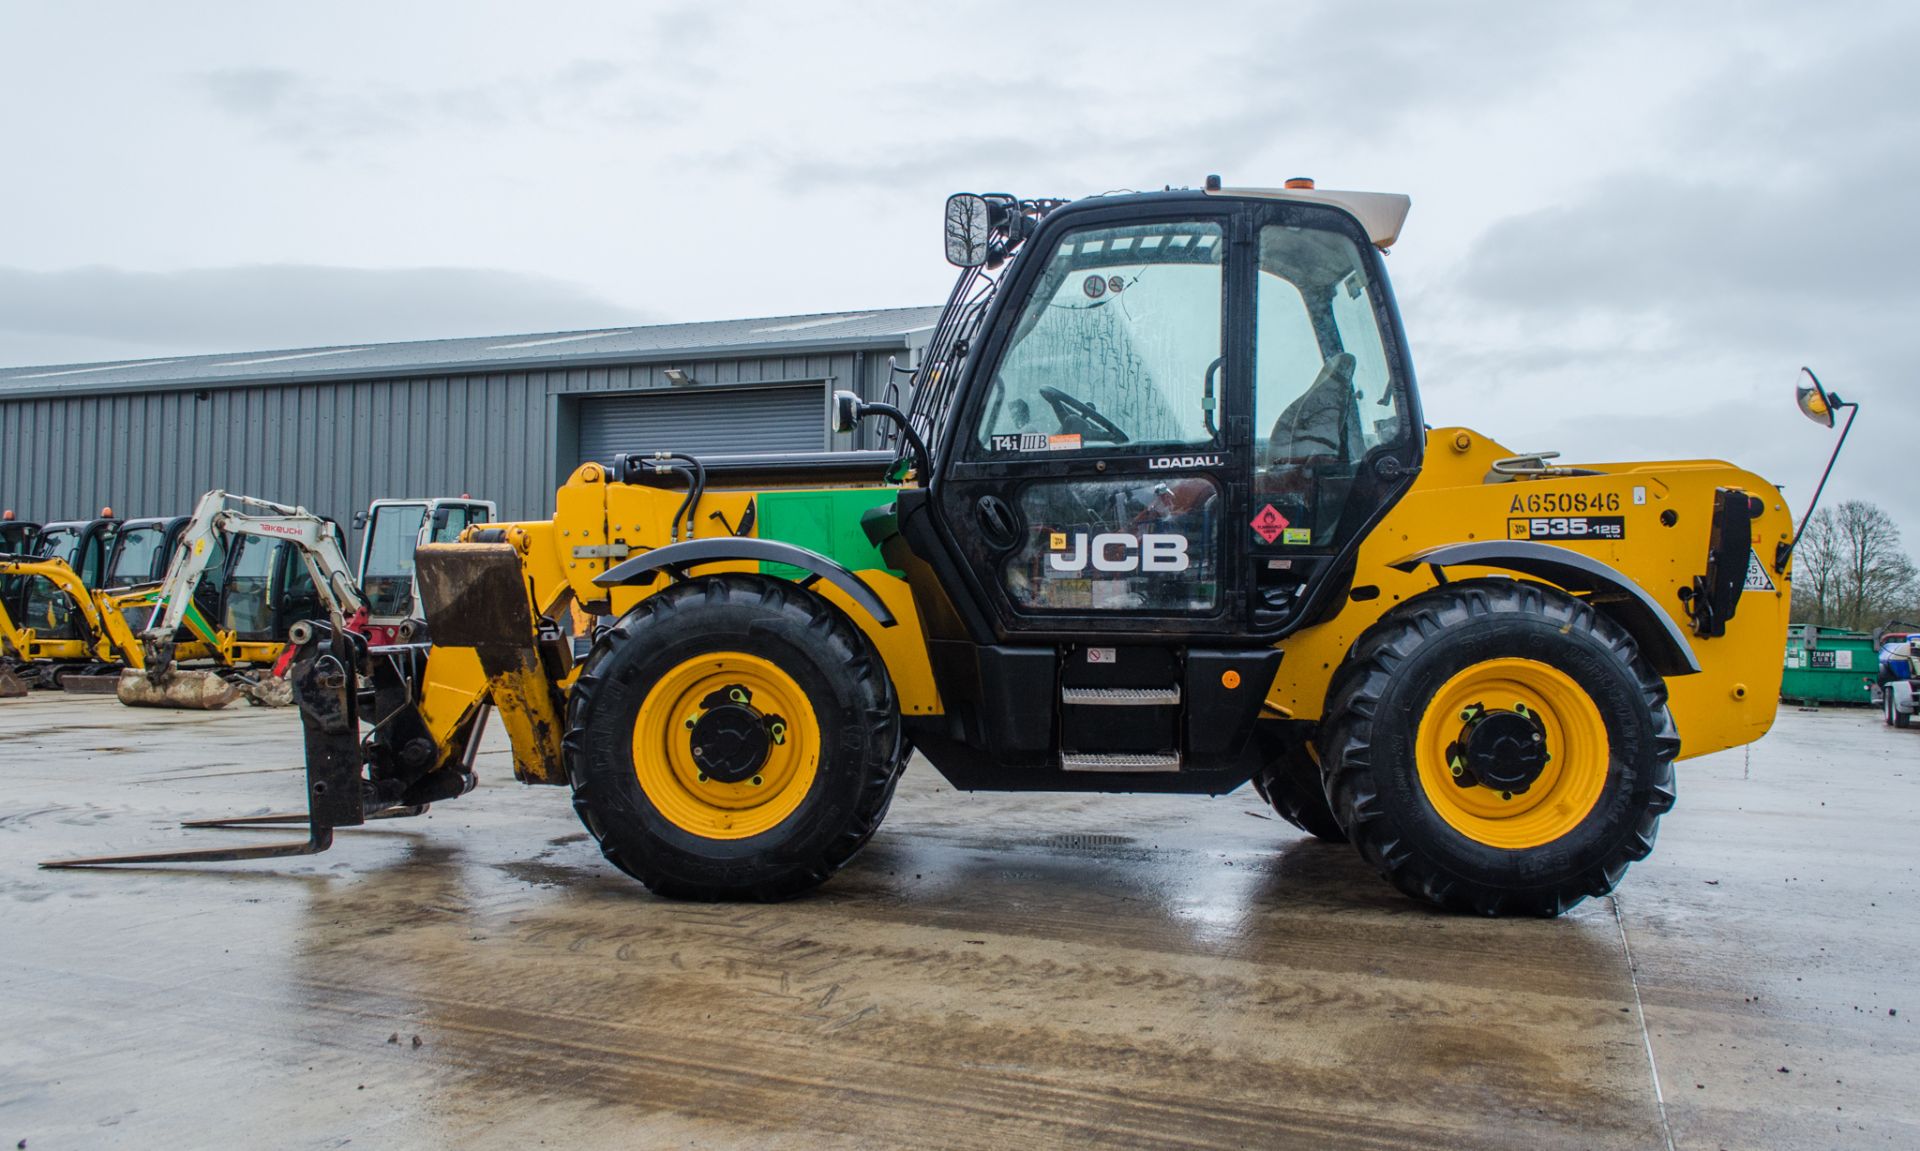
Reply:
x=733, y=737
x=1895, y=716
x=1293, y=786
x=1499, y=747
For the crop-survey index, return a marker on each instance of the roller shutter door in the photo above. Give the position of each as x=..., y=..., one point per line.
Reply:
x=705, y=421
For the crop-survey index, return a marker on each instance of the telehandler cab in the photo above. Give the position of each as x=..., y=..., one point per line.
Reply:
x=1164, y=516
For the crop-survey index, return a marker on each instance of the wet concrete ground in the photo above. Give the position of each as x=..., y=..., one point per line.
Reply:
x=995, y=972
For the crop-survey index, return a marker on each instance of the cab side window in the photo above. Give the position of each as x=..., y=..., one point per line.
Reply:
x=450, y=520
x=1119, y=343
x=1323, y=397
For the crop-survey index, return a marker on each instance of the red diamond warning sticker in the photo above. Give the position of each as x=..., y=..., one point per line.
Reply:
x=1269, y=523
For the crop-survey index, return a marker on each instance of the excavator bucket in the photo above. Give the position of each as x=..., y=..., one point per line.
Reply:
x=11, y=685
x=194, y=690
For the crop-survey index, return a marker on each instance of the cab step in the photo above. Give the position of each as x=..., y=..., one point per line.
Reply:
x=1118, y=761
x=1120, y=696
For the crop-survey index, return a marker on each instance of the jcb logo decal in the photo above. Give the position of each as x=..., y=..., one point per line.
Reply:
x=1114, y=552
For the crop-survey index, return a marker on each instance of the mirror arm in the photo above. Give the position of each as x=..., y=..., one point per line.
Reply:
x=922, y=458
x=1784, y=552
x=849, y=409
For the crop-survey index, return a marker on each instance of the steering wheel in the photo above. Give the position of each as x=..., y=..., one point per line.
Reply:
x=1083, y=413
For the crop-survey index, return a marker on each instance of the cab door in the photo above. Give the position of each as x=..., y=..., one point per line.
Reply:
x=1088, y=483
x=246, y=607
x=295, y=598
x=1337, y=436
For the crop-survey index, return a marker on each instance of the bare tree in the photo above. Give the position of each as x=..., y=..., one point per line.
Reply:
x=1850, y=570
x=1816, y=571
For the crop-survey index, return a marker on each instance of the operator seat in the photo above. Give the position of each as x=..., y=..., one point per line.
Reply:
x=1324, y=422
x=1311, y=450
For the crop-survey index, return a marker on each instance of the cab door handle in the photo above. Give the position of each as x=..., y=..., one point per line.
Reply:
x=999, y=525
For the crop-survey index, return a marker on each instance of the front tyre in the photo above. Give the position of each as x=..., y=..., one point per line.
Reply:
x=732, y=737
x=1499, y=747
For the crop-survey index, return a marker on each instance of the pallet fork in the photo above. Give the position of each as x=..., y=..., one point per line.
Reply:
x=327, y=676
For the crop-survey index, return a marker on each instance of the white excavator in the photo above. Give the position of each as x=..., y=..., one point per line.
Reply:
x=302, y=570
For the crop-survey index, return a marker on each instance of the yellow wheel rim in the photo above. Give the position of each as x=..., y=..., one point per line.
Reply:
x=1569, y=783
x=664, y=756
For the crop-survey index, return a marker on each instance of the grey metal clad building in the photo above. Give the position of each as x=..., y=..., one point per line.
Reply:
x=504, y=418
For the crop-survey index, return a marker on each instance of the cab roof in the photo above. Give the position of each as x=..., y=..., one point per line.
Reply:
x=1382, y=214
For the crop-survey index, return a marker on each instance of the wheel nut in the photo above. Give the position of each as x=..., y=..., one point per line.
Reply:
x=703, y=777
x=1506, y=795
x=756, y=781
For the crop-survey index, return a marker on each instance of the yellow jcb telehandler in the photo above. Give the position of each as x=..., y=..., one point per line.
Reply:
x=1163, y=514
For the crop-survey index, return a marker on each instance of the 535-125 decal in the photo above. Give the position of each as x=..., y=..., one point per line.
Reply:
x=1567, y=528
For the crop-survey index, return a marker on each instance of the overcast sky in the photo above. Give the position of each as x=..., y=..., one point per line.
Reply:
x=1631, y=223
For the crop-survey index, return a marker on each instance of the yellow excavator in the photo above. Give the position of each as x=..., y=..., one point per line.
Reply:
x=61, y=611
x=1163, y=513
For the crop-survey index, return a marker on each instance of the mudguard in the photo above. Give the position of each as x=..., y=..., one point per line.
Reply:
x=675, y=559
x=1660, y=639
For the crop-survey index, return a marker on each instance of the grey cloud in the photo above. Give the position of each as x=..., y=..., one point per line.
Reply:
x=94, y=313
x=1768, y=224
x=1066, y=122
x=247, y=91
x=1776, y=189
x=297, y=108
x=908, y=166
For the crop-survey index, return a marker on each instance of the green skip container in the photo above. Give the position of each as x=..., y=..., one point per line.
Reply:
x=1828, y=665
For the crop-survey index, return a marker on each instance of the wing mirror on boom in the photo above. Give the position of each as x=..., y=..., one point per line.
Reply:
x=1814, y=400
x=969, y=227
x=1820, y=406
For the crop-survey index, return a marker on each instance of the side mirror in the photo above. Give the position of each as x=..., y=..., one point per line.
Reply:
x=848, y=407
x=969, y=226
x=359, y=521
x=1813, y=399
x=441, y=517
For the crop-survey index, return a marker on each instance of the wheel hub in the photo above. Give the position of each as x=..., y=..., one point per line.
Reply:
x=1505, y=750
x=731, y=739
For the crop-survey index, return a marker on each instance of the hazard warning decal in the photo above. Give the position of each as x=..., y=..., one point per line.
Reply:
x=1757, y=577
x=1269, y=523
